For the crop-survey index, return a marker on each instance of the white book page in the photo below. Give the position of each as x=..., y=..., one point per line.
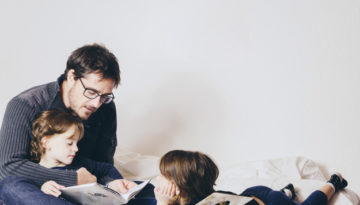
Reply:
x=135, y=190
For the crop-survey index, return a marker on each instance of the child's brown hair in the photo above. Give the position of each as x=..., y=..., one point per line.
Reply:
x=193, y=172
x=48, y=123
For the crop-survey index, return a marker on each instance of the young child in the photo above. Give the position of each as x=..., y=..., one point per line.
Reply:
x=188, y=177
x=54, y=145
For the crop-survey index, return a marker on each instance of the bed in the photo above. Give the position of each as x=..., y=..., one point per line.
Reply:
x=304, y=173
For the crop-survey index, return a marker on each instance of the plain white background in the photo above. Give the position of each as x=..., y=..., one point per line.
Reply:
x=238, y=80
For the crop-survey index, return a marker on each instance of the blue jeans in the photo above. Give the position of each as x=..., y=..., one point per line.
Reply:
x=271, y=197
x=20, y=191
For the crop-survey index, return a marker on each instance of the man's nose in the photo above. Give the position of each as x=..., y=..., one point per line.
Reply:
x=96, y=102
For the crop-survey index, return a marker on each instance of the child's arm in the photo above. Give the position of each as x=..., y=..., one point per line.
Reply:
x=52, y=188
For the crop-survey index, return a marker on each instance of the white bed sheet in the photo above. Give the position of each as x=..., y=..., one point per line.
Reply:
x=302, y=172
x=277, y=173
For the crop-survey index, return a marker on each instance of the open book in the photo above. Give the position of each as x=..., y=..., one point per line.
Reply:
x=217, y=198
x=95, y=193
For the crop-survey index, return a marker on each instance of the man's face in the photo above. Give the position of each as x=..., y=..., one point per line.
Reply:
x=83, y=106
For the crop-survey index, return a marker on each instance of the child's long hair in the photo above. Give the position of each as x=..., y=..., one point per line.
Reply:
x=193, y=172
x=48, y=123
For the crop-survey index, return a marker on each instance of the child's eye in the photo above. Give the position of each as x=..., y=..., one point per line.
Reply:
x=70, y=143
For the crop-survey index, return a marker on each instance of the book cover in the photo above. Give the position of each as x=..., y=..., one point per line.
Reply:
x=225, y=199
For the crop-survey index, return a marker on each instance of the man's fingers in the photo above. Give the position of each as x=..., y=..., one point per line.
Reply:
x=119, y=186
x=129, y=184
x=122, y=186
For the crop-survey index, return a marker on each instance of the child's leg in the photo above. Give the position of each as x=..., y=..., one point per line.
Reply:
x=268, y=196
x=317, y=197
x=324, y=194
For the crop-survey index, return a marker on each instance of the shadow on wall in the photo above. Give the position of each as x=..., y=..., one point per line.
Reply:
x=184, y=111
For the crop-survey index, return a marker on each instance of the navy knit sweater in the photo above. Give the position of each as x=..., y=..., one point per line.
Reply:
x=99, y=141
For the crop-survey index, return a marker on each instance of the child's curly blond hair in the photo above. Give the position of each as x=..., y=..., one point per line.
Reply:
x=47, y=124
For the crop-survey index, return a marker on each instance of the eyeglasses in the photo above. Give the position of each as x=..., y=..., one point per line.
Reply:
x=92, y=94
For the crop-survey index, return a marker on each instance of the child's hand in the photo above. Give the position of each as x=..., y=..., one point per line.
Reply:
x=122, y=185
x=165, y=192
x=52, y=188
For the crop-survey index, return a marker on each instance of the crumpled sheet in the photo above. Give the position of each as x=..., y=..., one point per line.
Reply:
x=304, y=173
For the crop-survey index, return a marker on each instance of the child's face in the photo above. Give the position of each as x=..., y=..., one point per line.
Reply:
x=162, y=181
x=61, y=148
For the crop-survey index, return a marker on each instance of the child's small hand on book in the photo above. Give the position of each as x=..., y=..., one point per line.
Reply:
x=122, y=185
x=52, y=188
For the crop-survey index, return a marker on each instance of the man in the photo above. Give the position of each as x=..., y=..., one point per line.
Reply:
x=84, y=90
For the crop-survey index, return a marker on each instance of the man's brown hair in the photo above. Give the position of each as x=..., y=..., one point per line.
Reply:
x=193, y=172
x=94, y=58
x=48, y=123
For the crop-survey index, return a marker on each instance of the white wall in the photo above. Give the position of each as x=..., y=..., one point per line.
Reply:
x=239, y=80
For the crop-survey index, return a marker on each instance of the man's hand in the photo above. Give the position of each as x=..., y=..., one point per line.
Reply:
x=122, y=185
x=52, y=188
x=84, y=176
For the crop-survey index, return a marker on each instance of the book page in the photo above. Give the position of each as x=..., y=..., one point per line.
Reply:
x=93, y=193
x=135, y=190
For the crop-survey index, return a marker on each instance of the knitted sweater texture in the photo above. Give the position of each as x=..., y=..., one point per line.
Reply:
x=99, y=141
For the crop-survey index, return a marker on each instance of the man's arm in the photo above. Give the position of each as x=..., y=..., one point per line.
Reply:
x=15, y=136
x=105, y=172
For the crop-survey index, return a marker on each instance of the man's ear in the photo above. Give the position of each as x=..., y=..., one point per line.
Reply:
x=71, y=77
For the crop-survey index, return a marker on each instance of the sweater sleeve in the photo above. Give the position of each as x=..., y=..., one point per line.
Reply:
x=104, y=172
x=15, y=136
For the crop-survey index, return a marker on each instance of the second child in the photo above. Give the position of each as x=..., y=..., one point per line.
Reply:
x=189, y=177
